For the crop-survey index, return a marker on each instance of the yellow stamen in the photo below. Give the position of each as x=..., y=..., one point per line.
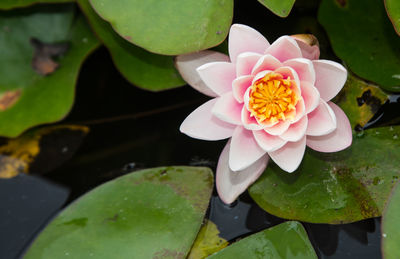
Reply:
x=272, y=98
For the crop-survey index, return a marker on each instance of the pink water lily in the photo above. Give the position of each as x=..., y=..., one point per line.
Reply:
x=271, y=100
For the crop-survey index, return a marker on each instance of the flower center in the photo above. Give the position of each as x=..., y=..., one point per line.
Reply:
x=272, y=98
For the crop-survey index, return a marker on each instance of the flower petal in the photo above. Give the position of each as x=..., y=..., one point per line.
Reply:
x=266, y=62
x=278, y=128
x=244, y=150
x=308, y=51
x=321, y=121
x=310, y=96
x=239, y=87
x=245, y=63
x=243, y=38
x=303, y=67
x=188, y=63
x=284, y=48
x=202, y=124
x=290, y=155
x=249, y=122
x=231, y=184
x=218, y=76
x=228, y=109
x=300, y=110
x=296, y=130
x=339, y=139
x=330, y=78
x=268, y=142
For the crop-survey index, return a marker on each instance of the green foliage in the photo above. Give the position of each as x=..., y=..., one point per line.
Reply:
x=153, y=213
x=281, y=8
x=8, y=4
x=393, y=10
x=169, y=27
x=143, y=69
x=362, y=36
x=287, y=240
x=391, y=226
x=28, y=98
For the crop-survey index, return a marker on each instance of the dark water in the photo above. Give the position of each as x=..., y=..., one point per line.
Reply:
x=132, y=129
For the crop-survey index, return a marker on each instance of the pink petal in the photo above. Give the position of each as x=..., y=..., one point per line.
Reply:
x=243, y=38
x=231, y=184
x=218, y=76
x=187, y=65
x=239, y=87
x=321, y=121
x=307, y=51
x=202, y=124
x=244, y=150
x=287, y=72
x=339, y=139
x=245, y=63
x=278, y=128
x=296, y=130
x=284, y=48
x=303, y=67
x=330, y=78
x=249, y=122
x=228, y=109
x=289, y=156
x=266, y=62
x=300, y=110
x=268, y=142
x=260, y=75
x=310, y=96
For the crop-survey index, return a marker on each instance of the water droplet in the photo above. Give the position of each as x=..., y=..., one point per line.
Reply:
x=64, y=150
x=85, y=40
x=384, y=235
x=236, y=217
x=395, y=136
x=391, y=128
x=397, y=76
x=66, y=253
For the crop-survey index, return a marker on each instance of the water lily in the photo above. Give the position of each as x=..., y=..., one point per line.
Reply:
x=271, y=100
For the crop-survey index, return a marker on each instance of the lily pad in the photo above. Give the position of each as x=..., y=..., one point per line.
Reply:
x=28, y=98
x=335, y=188
x=207, y=242
x=140, y=67
x=367, y=43
x=281, y=8
x=286, y=240
x=360, y=100
x=393, y=10
x=8, y=4
x=391, y=226
x=154, y=213
x=40, y=150
x=169, y=27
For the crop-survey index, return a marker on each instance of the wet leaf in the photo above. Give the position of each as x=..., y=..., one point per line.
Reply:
x=372, y=48
x=8, y=4
x=286, y=240
x=169, y=27
x=40, y=99
x=207, y=242
x=154, y=213
x=281, y=8
x=340, y=187
x=360, y=100
x=391, y=226
x=393, y=10
x=142, y=68
x=40, y=150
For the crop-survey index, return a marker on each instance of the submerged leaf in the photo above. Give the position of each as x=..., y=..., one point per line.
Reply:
x=153, y=213
x=8, y=4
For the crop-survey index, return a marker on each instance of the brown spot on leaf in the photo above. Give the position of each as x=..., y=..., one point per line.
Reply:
x=44, y=54
x=112, y=219
x=8, y=99
x=370, y=100
x=342, y=3
x=129, y=38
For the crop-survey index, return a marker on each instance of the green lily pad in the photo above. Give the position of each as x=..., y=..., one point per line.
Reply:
x=393, y=10
x=391, y=226
x=169, y=27
x=286, y=240
x=362, y=35
x=140, y=67
x=340, y=187
x=360, y=100
x=9, y=4
x=35, y=87
x=154, y=213
x=281, y=8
